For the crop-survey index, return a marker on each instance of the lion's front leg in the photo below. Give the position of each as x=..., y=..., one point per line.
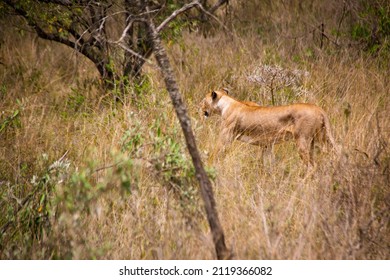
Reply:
x=225, y=139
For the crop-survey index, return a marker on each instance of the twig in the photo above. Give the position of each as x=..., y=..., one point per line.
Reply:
x=124, y=33
x=217, y=5
x=176, y=13
x=63, y=156
x=215, y=18
x=126, y=48
x=318, y=27
x=189, y=6
x=341, y=20
x=107, y=167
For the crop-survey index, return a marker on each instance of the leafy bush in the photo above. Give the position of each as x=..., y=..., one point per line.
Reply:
x=372, y=26
x=168, y=159
x=30, y=210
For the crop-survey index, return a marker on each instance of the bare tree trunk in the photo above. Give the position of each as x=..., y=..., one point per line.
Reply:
x=181, y=112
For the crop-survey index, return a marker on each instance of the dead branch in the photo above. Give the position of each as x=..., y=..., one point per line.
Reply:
x=217, y=5
x=181, y=112
x=210, y=14
x=176, y=13
x=191, y=5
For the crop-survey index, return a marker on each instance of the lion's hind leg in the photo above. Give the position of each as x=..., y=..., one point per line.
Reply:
x=306, y=149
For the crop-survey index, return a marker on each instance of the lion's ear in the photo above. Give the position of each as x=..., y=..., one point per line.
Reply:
x=213, y=95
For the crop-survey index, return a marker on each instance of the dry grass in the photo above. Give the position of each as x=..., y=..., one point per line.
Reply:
x=146, y=206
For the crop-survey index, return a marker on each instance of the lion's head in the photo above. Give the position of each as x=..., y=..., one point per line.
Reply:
x=209, y=104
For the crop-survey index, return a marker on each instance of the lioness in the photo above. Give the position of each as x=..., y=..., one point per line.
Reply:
x=251, y=123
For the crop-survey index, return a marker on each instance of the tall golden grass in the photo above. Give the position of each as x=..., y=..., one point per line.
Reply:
x=122, y=186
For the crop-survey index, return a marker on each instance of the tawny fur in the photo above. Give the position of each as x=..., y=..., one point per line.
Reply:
x=254, y=124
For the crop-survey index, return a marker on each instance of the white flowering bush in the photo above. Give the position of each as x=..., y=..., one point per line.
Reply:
x=281, y=85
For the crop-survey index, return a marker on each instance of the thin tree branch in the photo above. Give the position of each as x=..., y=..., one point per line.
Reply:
x=107, y=167
x=215, y=18
x=217, y=5
x=189, y=6
x=126, y=30
x=176, y=13
x=134, y=53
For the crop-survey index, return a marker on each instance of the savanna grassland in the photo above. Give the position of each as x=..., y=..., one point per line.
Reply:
x=93, y=174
